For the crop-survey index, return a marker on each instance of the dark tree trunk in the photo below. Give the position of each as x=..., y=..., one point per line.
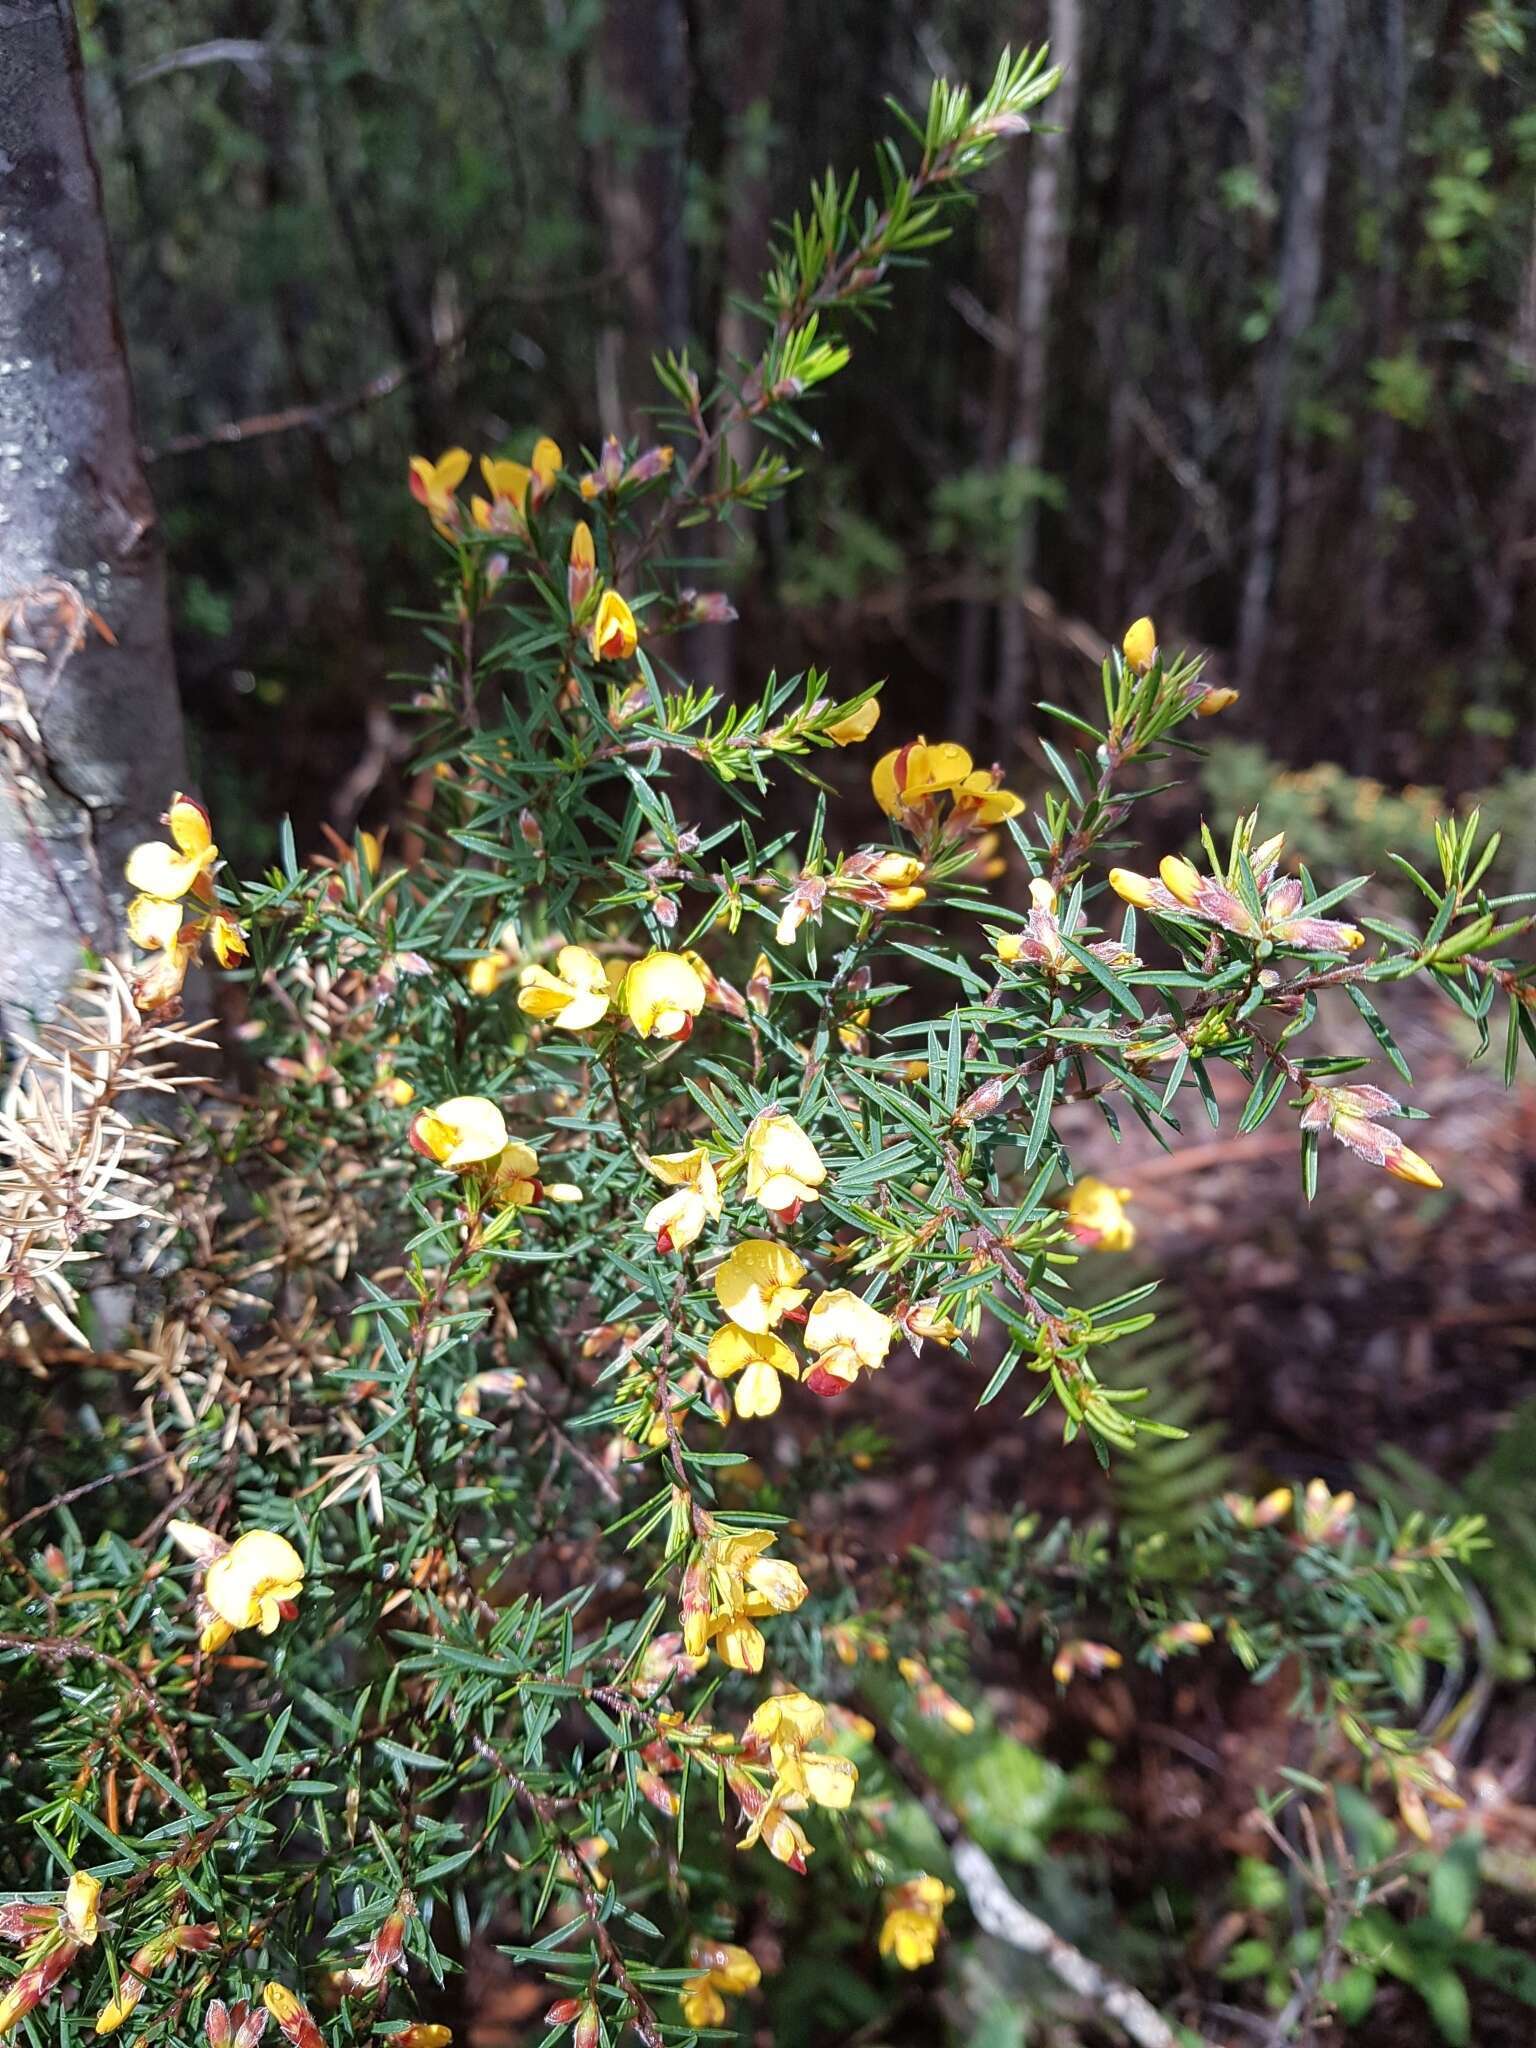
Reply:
x=1390, y=62
x=757, y=27
x=1301, y=270
x=90, y=763
x=638, y=182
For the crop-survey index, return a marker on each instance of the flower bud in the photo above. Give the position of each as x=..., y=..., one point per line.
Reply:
x=1140, y=645
x=581, y=573
x=1180, y=878
x=1213, y=701
x=1131, y=887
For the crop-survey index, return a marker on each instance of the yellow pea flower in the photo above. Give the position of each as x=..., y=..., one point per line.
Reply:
x=227, y=937
x=759, y=1358
x=661, y=995
x=1140, y=645
x=133, y=1981
x=907, y=776
x=784, y=1169
x=914, y=1921
x=1096, y=1215
x=463, y=1131
x=785, y=1724
x=849, y=1336
x=908, y=781
x=254, y=1582
x=485, y=975
x=723, y=1969
x=433, y=485
x=514, y=1176
x=167, y=873
x=700, y=2002
x=574, y=997
x=756, y=1284
x=614, y=635
x=858, y=725
x=508, y=484
x=728, y=1588
x=678, y=1219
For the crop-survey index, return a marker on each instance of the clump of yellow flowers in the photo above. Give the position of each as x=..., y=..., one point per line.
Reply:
x=468, y=1134
x=174, y=907
x=729, y=1587
x=933, y=788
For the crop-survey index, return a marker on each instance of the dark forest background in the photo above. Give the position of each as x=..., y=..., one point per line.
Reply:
x=1246, y=338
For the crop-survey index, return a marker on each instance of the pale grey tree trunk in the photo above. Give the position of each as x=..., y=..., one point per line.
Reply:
x=91, y=755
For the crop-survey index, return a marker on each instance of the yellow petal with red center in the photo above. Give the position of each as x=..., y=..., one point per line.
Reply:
x=778, y=1150
x=614, y=634
x=245, y=1585
x=463, y=1131
x=547, y=459
x=756, y=1284
x=662, y=995
x=507, y=481
x=679, y=1217
x=840, y=1319
x=227, y=938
